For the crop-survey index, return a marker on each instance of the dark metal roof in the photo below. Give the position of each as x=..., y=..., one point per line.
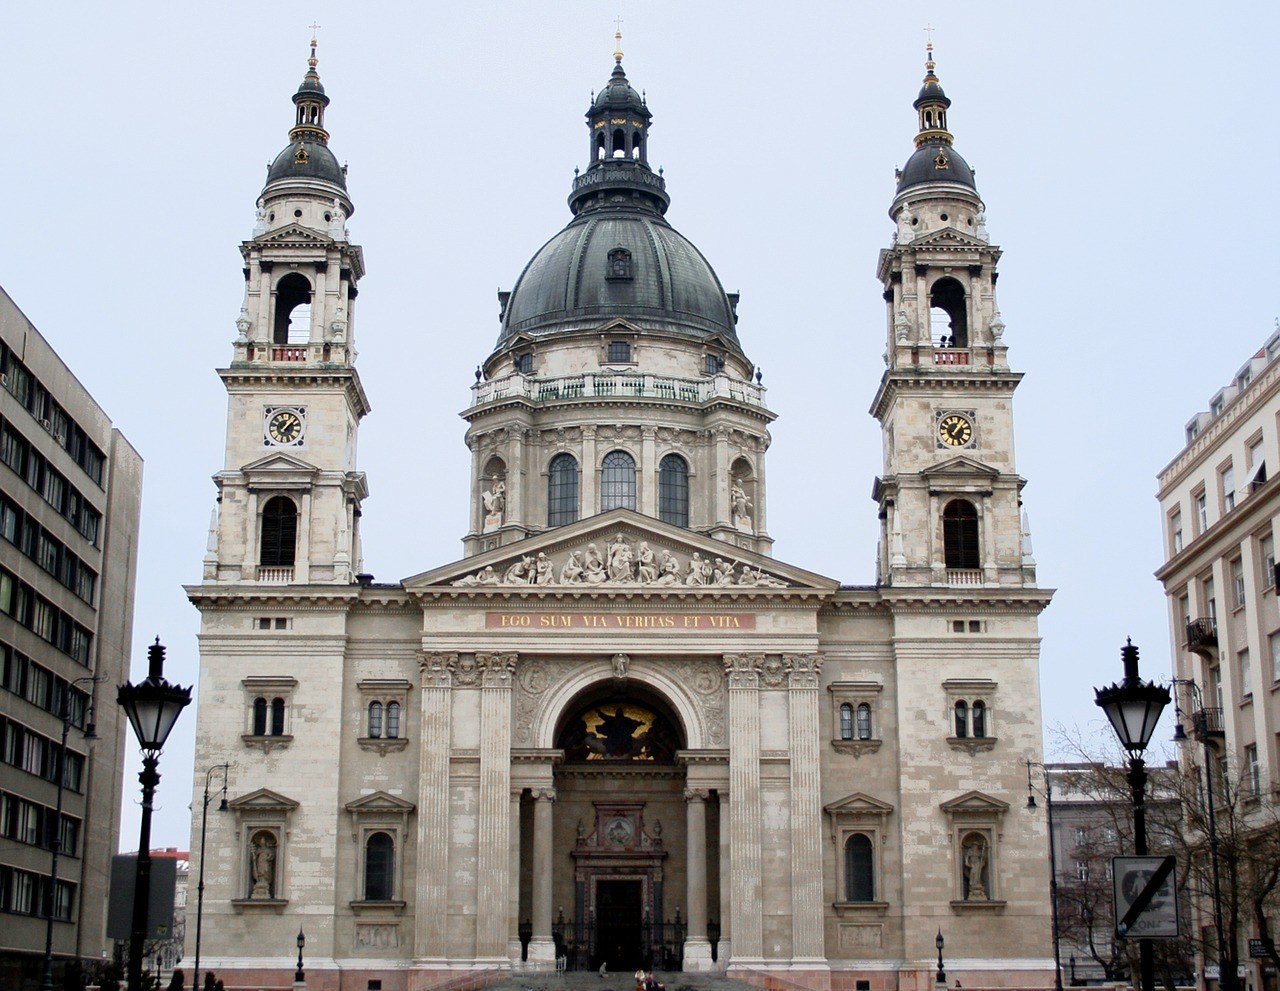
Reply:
x=567, y=284
x=319, y=163
x=936, y=162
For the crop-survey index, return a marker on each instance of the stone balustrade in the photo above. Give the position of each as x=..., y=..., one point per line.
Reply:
x=275, y=575
x=620, y=385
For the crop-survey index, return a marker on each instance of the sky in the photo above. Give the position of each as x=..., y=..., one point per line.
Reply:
x=1125, y=154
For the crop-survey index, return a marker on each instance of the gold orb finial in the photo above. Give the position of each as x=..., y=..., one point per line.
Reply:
x=928, y=48
x=617, y=40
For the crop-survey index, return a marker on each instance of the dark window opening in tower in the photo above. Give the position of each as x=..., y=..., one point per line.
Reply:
x=600, y=148
x=562, y=490
x=279, y=533
x=636, y=144
x=523, y=363
x=673, y=490
x=619, y=143
x=960, y=535
x=293, y=310
x=948, y=319
x=618, y=481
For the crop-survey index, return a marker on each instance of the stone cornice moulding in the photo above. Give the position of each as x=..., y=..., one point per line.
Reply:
x=254, y=376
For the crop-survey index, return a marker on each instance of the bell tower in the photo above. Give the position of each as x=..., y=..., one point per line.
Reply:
x=949, y=498
x=289, y=494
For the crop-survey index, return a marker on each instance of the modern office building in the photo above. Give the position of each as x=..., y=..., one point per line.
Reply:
x=70, y=496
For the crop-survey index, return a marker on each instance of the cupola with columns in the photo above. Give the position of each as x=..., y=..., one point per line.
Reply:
x=618, y=379
x=949, y=498
x=289, y=493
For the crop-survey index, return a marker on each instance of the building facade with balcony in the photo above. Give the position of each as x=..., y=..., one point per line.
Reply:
x=1219, y=505
x=70, y=498
x=617, y=730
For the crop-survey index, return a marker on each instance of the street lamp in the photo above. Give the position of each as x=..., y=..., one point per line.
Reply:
x=299, y=977
x=204, y=825
x=941, y=977
x=153, y=706
x=1200, y=727
x=55, y=834
x=1134, y=708
x=1053, y=863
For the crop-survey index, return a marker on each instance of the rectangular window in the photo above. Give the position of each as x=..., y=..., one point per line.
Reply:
x=1210, y=599
x=1244, y=668
x=1252, y=776
x=1228, y=480
x=1237, y=583
x=1202, y=513
x=1274, y=641
x=1175, y=531
x=32, y=753
x=1215, y=686
x=1267, y=551
x=619, y=351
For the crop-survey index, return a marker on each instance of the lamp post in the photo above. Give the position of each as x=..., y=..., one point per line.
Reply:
x=55, y=834
x=299, y=977
x=1134, y=708
x=941, y=977
x=153, y=706
x=1053, y=864
x=1200, y=727
x=204, y=825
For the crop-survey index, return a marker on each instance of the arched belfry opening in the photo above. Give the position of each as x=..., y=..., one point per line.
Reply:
x=293, y=310
x=948, y=314
x=619, y=866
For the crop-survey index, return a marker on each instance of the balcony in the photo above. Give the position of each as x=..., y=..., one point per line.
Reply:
x=610, y=385
x=951, y=356
x=964, y=576
x=289, y=353
x=275, y=575
x=1202, y=636
x=1207, y=723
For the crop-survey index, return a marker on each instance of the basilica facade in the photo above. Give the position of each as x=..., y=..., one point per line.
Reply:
x=618, y=731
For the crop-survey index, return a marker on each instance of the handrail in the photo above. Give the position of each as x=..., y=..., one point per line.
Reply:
x=622, y=385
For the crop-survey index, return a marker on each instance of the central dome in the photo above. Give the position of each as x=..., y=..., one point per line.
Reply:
x=632, y=265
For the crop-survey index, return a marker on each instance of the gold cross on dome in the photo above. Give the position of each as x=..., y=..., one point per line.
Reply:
x=928, y=34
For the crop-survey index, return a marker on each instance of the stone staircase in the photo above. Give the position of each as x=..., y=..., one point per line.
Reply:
x=592, y=981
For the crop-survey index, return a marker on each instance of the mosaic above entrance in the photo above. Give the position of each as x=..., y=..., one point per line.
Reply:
x=619, y=731
x=624, y=562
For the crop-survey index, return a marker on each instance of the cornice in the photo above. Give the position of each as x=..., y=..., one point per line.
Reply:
x=297, y=598
x=257, y=375
x=759, y=413
x=929, y=599
x=944, y=379
x=660, y=598
x=1226, y=532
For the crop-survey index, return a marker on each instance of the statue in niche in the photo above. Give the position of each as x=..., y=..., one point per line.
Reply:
x=543, y=570
x=975, y=864
x=620, y=560
x=646, y=564
x=619, y=664
x=262, y=866
x=495, y=505
x=593, y=566
x=741, y=506
x=902, y=327
x=571, y=573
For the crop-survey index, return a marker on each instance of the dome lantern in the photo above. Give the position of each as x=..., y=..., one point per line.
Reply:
x=934, y=160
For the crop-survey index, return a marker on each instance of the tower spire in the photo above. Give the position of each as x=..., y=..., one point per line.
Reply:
x=617, y=41
x=932, y=103
x=310, y=101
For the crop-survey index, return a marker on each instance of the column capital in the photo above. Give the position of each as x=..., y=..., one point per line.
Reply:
x=742, y=671
x=803, y=669
x=697, y=794
x=496, y=669
x=543, y=794
x=436, y=668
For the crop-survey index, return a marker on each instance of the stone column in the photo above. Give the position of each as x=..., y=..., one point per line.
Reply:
x=697, y=950
x=516, y=511
x=807, y=943
x=742, y=671
x=720, y=500
x=431, y=892
x=725, y=948
x=513, y=875
x=648, y=479
x=494, y=849
x=542, y=949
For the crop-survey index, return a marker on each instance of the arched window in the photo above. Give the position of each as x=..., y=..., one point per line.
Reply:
x=979, y=719
x=379, y=864
x=864, y=721
x=846, y=721
x=673, y=490
x=277, y=716
x=279, y=533
x=393, y=720
x=259, y=717
x=619, y=143
x=637, y=143
x=618, y=482
x=960, y=535
x=293, y=310
x=562, y=490
x=948, y=316
x=962, y=719
x=600, y=149
x=859, y=869
x=375, y=719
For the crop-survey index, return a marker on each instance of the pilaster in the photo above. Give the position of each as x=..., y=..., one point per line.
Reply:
x=807, y=943
x=432, y=889
x=743, y=674
x=494, y=851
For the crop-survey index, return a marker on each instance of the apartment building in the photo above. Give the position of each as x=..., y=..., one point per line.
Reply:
x=70, y=497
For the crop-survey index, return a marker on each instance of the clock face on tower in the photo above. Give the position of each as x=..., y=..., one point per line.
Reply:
x=284, y=427
x=955, y=429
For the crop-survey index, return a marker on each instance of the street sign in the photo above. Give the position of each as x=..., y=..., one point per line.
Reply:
x=1213, y=973
x=1260, y=949
x=1146, y=904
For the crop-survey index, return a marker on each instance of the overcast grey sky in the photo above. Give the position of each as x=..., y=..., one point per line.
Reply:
x=1126, y=152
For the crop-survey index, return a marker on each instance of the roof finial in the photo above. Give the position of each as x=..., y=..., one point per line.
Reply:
x=928, y=48
x=617, y=40
x=312, y=61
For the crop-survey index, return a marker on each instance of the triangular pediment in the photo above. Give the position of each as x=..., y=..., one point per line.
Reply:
x=263, y=800
x=974, y=801
x=296, y=234
x=618, y=325
x=380, y=801
x=947, y=237
x=960, y=465
x=279, y=462
x=859, y=804
x=620, y=551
